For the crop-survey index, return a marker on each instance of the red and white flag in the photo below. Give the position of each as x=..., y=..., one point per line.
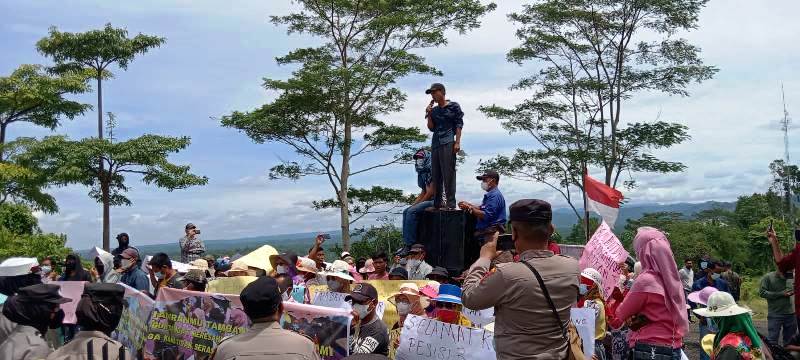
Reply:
x=602, y=199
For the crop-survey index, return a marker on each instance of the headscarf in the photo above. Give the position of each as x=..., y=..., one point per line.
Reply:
x=30, y=313
x=741, y=323
x=660, y=275
x=78, y=273
x=9, y=285
x=99, y=315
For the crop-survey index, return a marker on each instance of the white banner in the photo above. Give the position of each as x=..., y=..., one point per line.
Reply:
x=423, y=338
x=337, y=300
x=479, y=318
x=583, y=319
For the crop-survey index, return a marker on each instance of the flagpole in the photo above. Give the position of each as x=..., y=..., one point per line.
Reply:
x=585, y=205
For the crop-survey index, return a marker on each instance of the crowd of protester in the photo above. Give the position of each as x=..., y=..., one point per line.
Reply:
x=532, y=290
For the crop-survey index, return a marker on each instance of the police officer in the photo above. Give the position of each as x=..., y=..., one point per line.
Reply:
x=265, y=340
x=35, y=308
x=525, y=324
x=98, y=313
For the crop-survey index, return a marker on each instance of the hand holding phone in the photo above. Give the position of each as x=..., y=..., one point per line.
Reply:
x=430, y=107
x=505, y=243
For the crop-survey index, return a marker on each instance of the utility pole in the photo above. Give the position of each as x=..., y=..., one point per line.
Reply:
x=787, y=185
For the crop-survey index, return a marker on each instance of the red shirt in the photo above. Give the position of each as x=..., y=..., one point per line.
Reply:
x=375, y=276
x=552, y=246
x=790, y=262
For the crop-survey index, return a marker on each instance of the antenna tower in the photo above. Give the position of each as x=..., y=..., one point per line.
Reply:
x=785, y=124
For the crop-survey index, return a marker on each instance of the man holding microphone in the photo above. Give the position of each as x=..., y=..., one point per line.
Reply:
x=445, y=120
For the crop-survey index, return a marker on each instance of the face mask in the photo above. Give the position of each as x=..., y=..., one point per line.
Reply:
x=159, y=276
x=69, y=266
x=58, y=320
x=46, y=269
x=703, y=265
x=715, y=276
x=413, y=263
x=281, y=269
x=420, y=163
x=126, y=263
x=334, y=285
x=485, y=186
x=583, y=289
x=123, y=243
x=403, y=308
x=362, y=310
x=447, y=316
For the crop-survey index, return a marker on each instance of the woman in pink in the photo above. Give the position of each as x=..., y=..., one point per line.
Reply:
x=655, y=308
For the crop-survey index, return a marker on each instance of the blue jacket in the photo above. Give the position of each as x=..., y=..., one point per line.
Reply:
x=494, y=209
x=445, y=122
x=719, y=284
x=136, y=279
x=424, y=171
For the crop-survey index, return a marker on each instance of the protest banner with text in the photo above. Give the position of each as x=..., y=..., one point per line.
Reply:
x=132, y=327
x=188, y=324
x=327, y=327
x=423, y=338
x=604, y=252
x=70, y=290
x=584, y=319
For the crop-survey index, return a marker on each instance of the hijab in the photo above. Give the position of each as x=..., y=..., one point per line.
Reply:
x=35, y=314
x=98, y=315
x=660, y=275
x=78, y=273
x=741, y=323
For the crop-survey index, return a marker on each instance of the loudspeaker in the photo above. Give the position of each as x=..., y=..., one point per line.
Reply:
x=447, y=238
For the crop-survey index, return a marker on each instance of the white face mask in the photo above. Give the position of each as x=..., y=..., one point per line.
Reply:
x=362, y=310
x=125, y=263
x=403, y=308
x=46, y=269
x=282, y=269
x=413, y=263
x=334, y=285
x=484, y=186
x=420, y=163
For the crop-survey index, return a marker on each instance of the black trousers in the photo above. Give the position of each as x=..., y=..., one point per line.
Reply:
x=443, y=175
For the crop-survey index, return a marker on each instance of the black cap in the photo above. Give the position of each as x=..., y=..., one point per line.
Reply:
x=440, y=271
x=41, y=293
x=261, y=298
x=491, y=174
x=104, y=292
x=401, y=252
x=399, y=271
x=122, y=234
x=531, y=211
x=190, y=226
x=362, y=292
x=435, y=86
x=417, y=248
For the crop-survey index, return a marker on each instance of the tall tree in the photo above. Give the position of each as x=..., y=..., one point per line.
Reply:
x=96, y=51
x=785, y=183
x=595, y=57
x=145, y=156
x=32, y=95
x=328, y=111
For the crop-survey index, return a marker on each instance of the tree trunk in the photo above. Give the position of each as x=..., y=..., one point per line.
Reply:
x=343, y=199
x=104, y=186
x=99, y=107
x=2, y=140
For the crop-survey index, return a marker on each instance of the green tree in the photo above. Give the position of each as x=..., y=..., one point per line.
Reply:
x=31, y=95
x=385, y=237
x=94, y=52
x=578, y=235
x=785, y=182
x=750, y=210
x=595, y=57
x=328, y=111
x=18, y=219
x=145, y=156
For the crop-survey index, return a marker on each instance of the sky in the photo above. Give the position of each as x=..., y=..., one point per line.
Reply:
x=217, y=54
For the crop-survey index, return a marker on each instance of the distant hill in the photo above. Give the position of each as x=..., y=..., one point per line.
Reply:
x=563, y=219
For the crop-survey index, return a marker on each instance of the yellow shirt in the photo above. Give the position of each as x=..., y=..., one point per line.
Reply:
x=600, y=317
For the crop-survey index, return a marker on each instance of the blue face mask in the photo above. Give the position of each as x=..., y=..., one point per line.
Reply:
x=715, y=276
x=703, y=265
x=583, y=289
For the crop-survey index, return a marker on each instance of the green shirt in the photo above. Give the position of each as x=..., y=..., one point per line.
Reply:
x=773, y=288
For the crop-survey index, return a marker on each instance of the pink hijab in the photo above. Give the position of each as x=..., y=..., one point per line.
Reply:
x=660, y=275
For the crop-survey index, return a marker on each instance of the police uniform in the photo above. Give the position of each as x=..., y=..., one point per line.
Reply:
x=525, y=326
x=264, y=340
x=26, y=342
x=100, y=345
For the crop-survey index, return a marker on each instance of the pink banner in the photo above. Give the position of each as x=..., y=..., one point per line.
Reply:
x=604, y=252
x=70, y=290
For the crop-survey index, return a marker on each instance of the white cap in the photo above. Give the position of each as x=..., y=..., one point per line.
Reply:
x=593, y=275
x=339, y=269
x=17, y=266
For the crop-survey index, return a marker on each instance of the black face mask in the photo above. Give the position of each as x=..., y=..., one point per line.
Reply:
x=123, y=243
x=57, y=320
x=797, y=235
x=70, y=266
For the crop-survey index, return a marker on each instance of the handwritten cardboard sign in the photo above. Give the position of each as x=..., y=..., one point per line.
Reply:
x=604, y=252
x=583, y=319
x=337, y=300
x=423, y=338
x=479, y=318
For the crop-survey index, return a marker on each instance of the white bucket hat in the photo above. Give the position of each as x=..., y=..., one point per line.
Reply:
x=339, y=269
x=721, y=304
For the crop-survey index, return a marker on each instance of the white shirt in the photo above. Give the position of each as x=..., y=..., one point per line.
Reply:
x=687, y=278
